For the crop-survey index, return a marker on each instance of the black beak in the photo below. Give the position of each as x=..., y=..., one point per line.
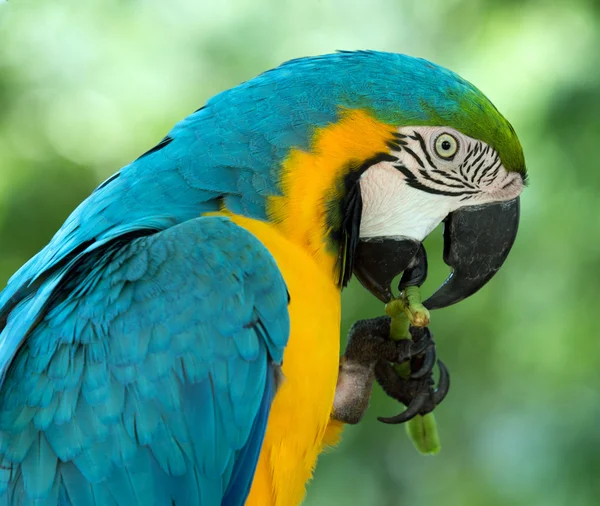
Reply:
x=380, y=259
x=477, y=240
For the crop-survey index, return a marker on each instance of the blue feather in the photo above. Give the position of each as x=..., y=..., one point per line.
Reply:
x=167, y=399
x=243, y=471
x=39, y=469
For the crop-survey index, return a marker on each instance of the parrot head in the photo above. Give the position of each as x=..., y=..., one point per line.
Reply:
x=410, y=145
x=445, y=175
x=358, y=156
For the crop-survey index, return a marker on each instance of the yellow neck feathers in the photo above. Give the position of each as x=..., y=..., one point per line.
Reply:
x=313, y=182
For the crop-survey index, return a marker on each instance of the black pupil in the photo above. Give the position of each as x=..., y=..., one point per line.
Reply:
x=446, y=145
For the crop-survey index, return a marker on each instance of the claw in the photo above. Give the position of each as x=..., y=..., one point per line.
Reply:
x=417, y=348
x=427, y=366
x=416, y=272
x=410, y=412
x=416, y=393
x=441, y=391
x=420, y=333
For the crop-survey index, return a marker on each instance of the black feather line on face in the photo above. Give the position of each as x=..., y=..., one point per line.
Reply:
x=351, y=233
x=412, y=181
x=415, y=156
x=475, y=172
x=429, y=177
x=454, y=178
x=488, y=169
x=394, y=146
x=478, y=158
x=418, y=137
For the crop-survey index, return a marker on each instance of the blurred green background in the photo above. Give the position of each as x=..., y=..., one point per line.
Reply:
x=85, y=87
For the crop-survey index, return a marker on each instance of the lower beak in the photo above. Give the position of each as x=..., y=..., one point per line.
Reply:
x=380, y=259
x=477, y=240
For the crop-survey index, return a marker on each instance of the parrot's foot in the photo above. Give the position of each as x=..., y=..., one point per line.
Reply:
x=416, y=391
x=369, y=342
x=368, y=346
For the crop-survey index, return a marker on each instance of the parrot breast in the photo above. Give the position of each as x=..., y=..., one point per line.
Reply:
x=298, y=422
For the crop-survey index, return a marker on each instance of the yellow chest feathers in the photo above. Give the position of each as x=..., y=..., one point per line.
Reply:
x=302, y=406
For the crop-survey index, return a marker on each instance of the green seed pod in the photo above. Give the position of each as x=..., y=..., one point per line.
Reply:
x=404, y=312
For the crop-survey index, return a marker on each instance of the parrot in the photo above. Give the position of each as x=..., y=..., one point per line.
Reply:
x=177, y=341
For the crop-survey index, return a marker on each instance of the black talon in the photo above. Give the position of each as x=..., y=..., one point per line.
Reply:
x=443, y=384
x=415, y=393
x=420, y=333
x=413, y=410
x=416, y=348
x=427, y=366
x=416, y=272
x=422, y=365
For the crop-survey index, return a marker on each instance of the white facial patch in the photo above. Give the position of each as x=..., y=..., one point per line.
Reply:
x=392, y=208
x=430, y=179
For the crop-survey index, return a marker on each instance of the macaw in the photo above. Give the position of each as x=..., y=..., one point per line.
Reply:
x=177, y=340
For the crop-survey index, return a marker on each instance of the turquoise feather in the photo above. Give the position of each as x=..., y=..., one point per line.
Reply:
x=125, y=422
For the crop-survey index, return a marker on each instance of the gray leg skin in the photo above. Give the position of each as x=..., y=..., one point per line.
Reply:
x=353, y=391
x=369, y=345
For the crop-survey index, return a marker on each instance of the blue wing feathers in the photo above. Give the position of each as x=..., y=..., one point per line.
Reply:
x=151, y=385
x=241, y=478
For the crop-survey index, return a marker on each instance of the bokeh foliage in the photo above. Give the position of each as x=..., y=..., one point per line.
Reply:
x=86, y=87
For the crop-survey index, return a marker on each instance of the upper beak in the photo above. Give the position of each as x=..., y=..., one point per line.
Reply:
x=477, y=240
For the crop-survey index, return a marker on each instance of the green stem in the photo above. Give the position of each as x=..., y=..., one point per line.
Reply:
x=405, y=311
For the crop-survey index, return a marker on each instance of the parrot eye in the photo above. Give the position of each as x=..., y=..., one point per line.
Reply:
x=446, y=146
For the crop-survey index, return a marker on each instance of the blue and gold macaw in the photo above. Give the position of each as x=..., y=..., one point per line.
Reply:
x=177, y=341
